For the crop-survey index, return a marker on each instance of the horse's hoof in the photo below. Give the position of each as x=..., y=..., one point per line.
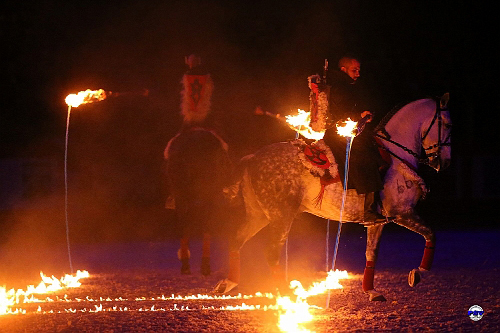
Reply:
x=224, y=286
x=414, y=277
x=375, y=296
x=205, y=266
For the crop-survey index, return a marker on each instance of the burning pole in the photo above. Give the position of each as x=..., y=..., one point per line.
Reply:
x=75, y=100
x=349, y=129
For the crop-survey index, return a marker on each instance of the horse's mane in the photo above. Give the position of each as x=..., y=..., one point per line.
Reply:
x=388, y=116
x=383, y=122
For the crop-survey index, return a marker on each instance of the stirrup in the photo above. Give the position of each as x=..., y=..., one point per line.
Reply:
x=377, y=222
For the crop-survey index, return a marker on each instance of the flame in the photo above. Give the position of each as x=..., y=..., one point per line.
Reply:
x=300, y=124
x=295, y=314
x=84, y=97
x=348, y=129
x=10, y=298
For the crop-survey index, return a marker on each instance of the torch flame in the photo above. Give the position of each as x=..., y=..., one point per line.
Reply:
x=84, y=97
x=348, y=129
x=300, y=124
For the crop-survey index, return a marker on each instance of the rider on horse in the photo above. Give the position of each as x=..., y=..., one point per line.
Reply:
x=196, y=162
x=346, y=100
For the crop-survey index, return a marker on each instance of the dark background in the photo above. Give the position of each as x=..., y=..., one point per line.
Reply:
x=259, y=53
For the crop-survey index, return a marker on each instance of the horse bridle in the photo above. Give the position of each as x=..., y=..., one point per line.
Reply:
x=441, y=143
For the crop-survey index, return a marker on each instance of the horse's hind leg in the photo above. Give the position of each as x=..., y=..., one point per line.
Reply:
x=373, y=233
x=416, y=224
x=253, y=224
x=278, y=234
x=254, y=221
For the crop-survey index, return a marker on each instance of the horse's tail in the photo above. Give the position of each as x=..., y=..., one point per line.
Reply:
x=232, y=192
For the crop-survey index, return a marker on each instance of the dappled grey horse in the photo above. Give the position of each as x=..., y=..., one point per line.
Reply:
x=276, y=186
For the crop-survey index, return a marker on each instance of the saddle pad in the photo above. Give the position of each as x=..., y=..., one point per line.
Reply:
x=316, y=157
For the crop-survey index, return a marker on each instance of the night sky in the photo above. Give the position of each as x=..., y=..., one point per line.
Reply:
x=258, y=52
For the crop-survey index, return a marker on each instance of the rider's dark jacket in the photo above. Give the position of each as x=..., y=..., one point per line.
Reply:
x=348, y=100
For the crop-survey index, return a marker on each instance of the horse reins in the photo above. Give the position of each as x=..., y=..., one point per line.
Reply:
x=437, y=116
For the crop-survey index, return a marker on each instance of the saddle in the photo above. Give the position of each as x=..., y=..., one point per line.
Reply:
x=319, y=160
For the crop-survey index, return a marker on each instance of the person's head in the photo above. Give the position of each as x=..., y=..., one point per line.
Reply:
x=192, y=61
x=351, y=66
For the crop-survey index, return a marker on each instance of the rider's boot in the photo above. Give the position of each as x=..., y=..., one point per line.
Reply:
x=370, y=210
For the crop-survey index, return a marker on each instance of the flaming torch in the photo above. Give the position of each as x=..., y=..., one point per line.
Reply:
x=349, y=129
x=75, y=100
x=300, y=123
x=84, y=97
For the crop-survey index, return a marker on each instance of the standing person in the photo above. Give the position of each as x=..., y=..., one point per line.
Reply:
x=348, y=100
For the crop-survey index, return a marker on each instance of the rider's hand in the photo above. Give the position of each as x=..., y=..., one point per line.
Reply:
x=365, y=114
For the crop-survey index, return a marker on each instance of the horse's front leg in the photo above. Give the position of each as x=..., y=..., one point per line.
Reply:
x=414, y=223
x=373, y=234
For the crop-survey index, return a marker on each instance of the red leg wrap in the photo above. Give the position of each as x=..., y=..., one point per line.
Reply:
x=206, y=246
x=234, y=266
x=368, y=276
x=428, y=256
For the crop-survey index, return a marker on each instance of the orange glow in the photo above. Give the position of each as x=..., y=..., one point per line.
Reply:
x=300, y=124
x=9, y=298
x=293, y=312
x=293, y=315
x=84, y=97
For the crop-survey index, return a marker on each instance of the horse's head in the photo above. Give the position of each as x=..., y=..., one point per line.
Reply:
x=436, y=135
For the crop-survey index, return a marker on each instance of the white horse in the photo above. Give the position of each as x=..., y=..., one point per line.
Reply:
x=277, y=185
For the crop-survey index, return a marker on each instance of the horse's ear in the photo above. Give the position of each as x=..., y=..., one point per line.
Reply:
x=443, y=103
